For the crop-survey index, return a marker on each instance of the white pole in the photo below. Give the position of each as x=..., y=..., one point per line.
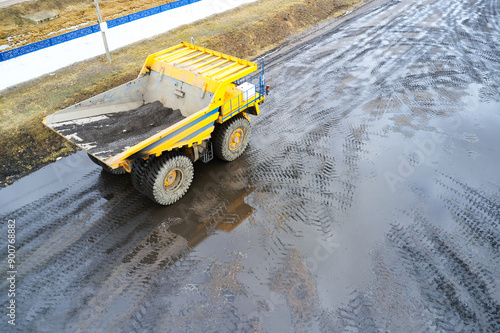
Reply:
x=103, y=26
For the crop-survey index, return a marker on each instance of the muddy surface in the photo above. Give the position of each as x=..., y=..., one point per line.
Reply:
x=368, y=200
x=107, y=135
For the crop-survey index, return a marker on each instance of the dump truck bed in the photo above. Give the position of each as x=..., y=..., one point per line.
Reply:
x=109, y=134
x=174, y=101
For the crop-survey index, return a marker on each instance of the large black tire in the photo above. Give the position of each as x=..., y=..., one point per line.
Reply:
x=107, y=168
x=137, y=173
x=231, y=138
x=167, y=178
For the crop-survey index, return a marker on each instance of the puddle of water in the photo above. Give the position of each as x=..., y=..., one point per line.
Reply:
x=50, y=179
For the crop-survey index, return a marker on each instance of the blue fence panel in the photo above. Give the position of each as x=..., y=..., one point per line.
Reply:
x=141, y=14
x=17, y=52
x=117, y=21
x=74, y=34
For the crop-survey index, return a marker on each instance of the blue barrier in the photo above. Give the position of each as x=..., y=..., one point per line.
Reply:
x=17, y=52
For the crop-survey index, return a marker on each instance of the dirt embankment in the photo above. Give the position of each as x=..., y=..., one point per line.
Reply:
x=246, y=32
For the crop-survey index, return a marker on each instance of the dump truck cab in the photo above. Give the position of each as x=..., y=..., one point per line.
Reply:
x=188, y=103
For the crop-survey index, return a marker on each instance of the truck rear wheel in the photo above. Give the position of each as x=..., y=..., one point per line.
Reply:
x=231, y=138
x=167, y=179
x=107, y=168
x=138, y=169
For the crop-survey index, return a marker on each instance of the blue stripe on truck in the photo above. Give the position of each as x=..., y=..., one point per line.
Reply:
x=192, y=135
x=155, y=144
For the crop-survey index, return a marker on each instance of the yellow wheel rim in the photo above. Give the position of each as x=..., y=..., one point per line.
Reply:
x=236, y=139
x=170, y=179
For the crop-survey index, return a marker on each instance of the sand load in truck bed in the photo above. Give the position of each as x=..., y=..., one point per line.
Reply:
x=109, y=134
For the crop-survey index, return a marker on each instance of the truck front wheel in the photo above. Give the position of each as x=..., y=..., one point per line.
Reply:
x=167, y=179
x=231, y=138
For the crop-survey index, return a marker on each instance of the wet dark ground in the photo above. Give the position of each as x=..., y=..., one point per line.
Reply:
x=368, y=200
x=112, y=133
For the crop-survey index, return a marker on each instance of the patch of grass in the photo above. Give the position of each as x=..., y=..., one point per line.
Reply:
x=246, y=32
x=11, y=17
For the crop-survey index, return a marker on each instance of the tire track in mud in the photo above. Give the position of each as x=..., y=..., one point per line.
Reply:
x=131, y=282
x=428, y=74
x=64, y=261
x=477, y=215
x=451, y=275
x=208, y=305
x=155, y=268
x=66, y=267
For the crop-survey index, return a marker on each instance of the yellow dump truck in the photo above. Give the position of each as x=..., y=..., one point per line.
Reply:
x=188, y=103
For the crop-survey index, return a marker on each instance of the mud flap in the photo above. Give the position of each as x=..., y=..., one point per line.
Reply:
x=254, y=110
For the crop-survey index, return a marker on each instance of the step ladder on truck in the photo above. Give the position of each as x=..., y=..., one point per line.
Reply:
x=188, y=103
